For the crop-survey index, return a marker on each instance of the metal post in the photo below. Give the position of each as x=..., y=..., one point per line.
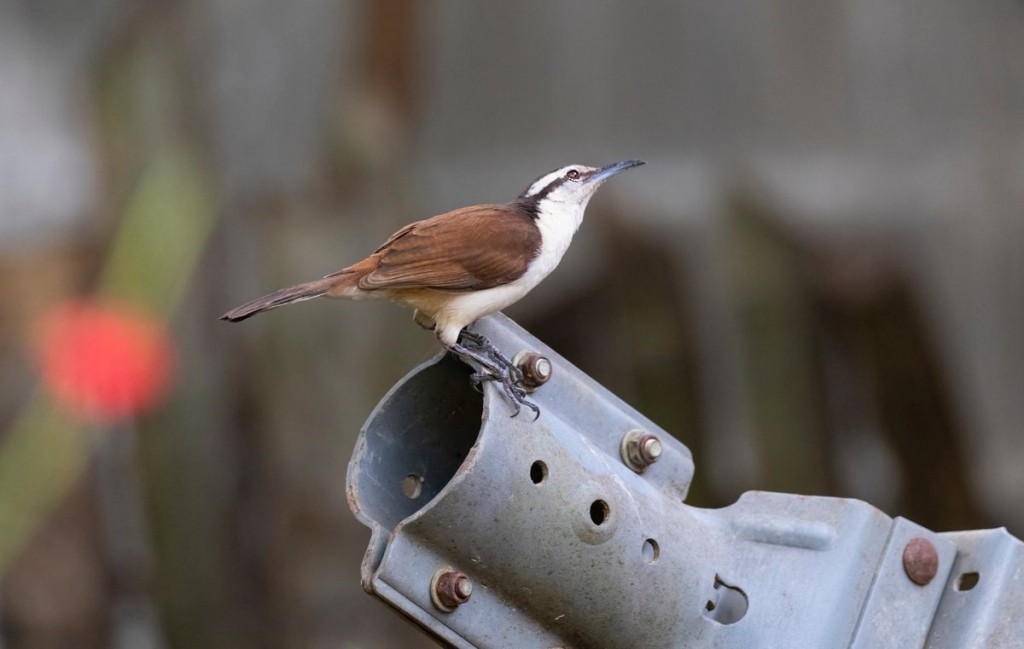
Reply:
x=571, y=531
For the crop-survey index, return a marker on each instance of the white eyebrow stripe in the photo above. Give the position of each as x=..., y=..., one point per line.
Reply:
x=544, y=181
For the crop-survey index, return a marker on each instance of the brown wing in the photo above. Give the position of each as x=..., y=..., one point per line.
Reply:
x=471, y=248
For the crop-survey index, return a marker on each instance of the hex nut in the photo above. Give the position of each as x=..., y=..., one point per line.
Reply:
x=536, y=369
x=640, y=449
x=449, y=589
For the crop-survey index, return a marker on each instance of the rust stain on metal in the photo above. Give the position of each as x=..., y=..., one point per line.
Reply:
x=353, y=499
x=920, y=560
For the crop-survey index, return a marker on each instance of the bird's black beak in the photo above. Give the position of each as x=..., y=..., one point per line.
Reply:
x=604, y=173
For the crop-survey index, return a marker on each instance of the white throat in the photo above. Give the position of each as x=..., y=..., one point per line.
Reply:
x=557, y=221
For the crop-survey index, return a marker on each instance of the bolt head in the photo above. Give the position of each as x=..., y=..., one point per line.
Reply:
x=463, y=587
x=920, y=560
x=542, y=369
x=650, y=448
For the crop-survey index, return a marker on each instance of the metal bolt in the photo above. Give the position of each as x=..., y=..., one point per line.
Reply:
x=536, y=369
x=640, y=449
x=920, y=560
x=450, y=588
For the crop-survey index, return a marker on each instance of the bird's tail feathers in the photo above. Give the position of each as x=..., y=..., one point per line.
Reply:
x=290, y=295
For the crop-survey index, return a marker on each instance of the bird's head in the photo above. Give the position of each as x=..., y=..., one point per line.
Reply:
x=569, y=187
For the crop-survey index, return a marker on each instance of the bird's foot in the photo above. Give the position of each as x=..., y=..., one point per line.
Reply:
x=494, y=367
x=480, y=343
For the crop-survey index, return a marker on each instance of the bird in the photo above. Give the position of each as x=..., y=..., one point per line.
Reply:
x=455, y=268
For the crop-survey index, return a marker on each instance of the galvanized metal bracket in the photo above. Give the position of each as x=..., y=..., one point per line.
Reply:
x=571, y=531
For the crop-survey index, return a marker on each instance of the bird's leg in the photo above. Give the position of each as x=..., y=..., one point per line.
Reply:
x=423, y=320
x=495, y=367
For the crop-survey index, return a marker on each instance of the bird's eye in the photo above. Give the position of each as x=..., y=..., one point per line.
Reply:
x=573, y=174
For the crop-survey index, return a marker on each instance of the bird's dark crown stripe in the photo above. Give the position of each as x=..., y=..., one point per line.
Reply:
x=531, y=202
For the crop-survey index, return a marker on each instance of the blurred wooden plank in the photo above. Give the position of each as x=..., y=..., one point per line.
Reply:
x=780, y=352
x=875, y=312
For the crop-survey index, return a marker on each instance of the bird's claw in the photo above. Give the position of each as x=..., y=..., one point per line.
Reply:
x=495, y=367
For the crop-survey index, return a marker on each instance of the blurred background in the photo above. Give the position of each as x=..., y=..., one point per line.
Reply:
x=815, y=283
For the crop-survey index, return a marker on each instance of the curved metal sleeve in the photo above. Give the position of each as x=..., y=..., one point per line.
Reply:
x=442, y=475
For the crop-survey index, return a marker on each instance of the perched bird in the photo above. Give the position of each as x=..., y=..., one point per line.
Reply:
x=456, y=267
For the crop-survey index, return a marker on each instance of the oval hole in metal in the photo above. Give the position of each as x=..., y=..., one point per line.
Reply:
x=412, y=485
x=538, y=472
x=650, y=551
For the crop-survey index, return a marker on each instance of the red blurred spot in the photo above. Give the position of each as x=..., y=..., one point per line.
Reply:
x=106, y=362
